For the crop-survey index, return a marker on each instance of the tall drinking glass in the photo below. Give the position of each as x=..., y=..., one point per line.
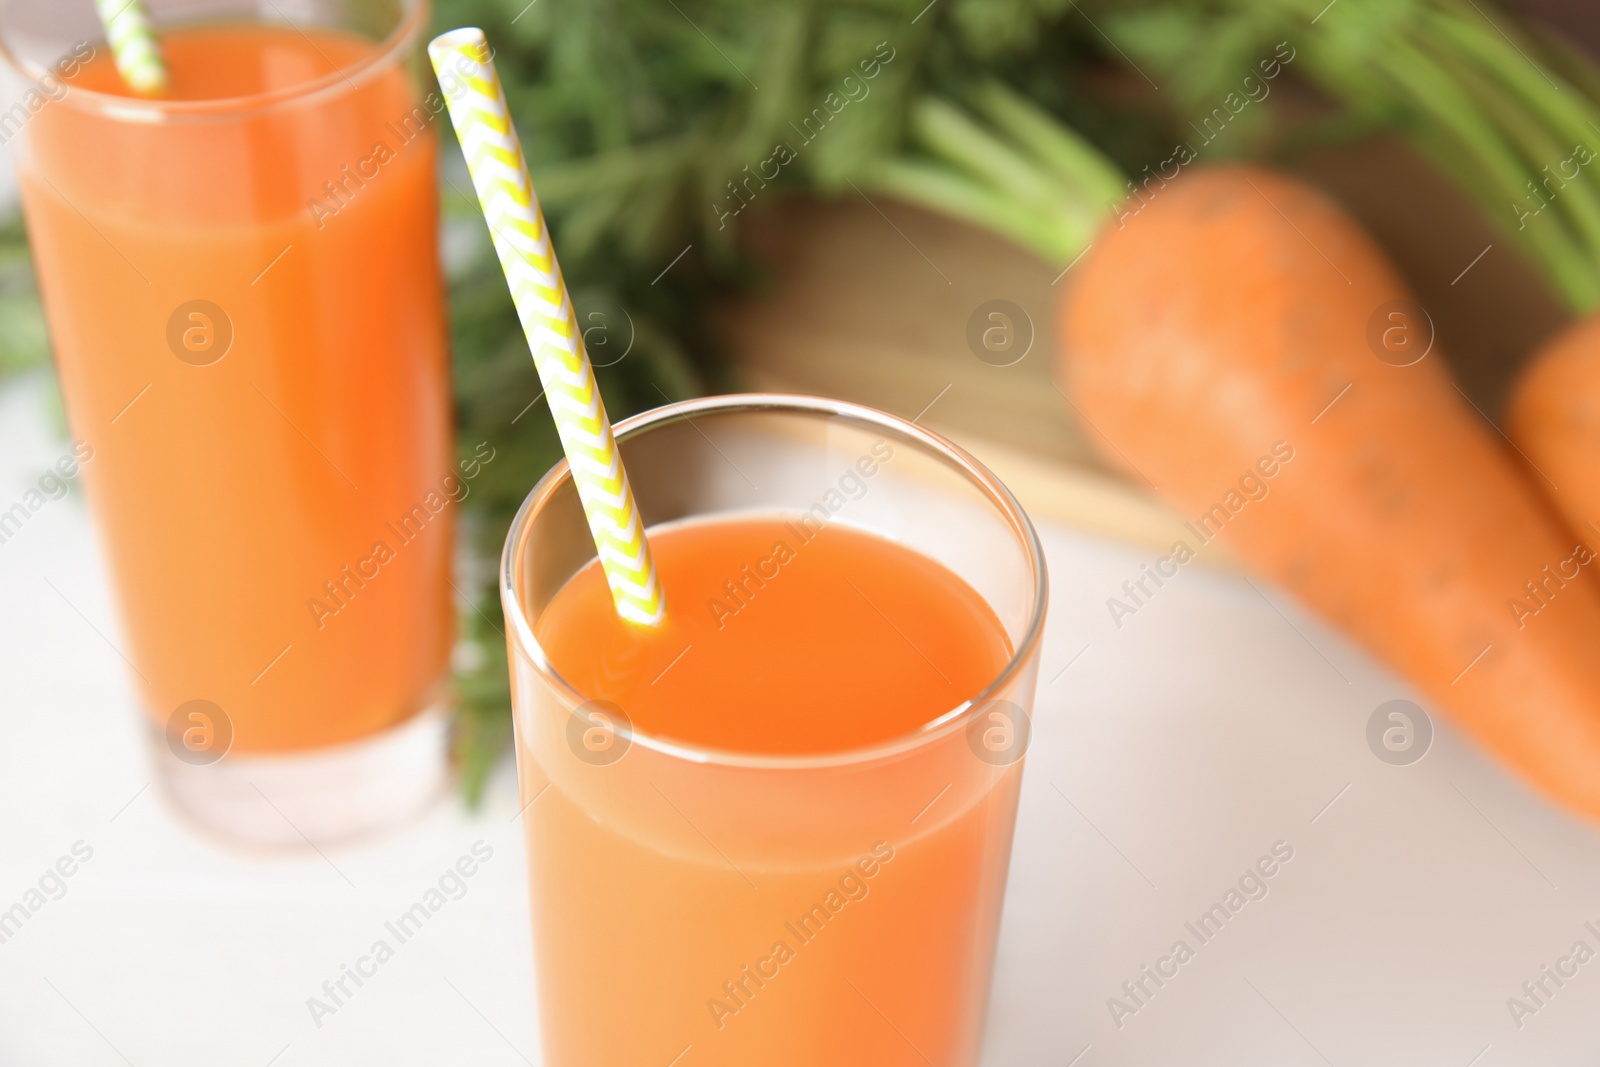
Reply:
x=734, y=907
x=242, y=288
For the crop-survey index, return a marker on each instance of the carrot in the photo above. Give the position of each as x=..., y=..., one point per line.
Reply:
x=1554, y=418
x=1227, y=323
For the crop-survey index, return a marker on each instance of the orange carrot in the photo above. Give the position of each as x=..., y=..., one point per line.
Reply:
x=1241, y=312
x=1554, y=417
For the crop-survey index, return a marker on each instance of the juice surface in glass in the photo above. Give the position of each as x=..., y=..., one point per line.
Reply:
x=243, y=294
x=695, y=912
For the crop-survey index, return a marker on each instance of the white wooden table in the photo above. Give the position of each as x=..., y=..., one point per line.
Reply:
x=1168, y=757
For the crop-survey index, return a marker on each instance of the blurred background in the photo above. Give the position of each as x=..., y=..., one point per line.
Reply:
x=738, y=205
x=702, y=261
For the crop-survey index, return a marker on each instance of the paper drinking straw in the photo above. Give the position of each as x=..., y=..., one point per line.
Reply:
x=500, y=174
x=133, y=46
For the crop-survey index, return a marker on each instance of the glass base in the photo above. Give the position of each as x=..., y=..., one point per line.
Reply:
x=316, y=796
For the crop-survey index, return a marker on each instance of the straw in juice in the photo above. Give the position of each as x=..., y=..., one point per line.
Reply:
x=133, y=46
x=499, y=172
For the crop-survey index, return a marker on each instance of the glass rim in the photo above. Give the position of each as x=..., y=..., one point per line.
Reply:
x=157, y=111
x=979, y=476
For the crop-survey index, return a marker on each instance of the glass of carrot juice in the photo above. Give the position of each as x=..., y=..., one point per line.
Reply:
x=775, y=829
x=241, y=282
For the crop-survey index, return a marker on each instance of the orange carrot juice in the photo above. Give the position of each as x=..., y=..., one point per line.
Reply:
x=243, y=294
x=773, y=901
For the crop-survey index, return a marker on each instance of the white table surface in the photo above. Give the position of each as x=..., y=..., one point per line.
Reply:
x=1169, y=756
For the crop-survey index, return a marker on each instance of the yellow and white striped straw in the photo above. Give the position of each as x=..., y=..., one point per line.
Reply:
x=133, y=46
x=516, y=225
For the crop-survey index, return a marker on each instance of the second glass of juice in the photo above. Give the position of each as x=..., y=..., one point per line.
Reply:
x=242, y=286
x=776, y=829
